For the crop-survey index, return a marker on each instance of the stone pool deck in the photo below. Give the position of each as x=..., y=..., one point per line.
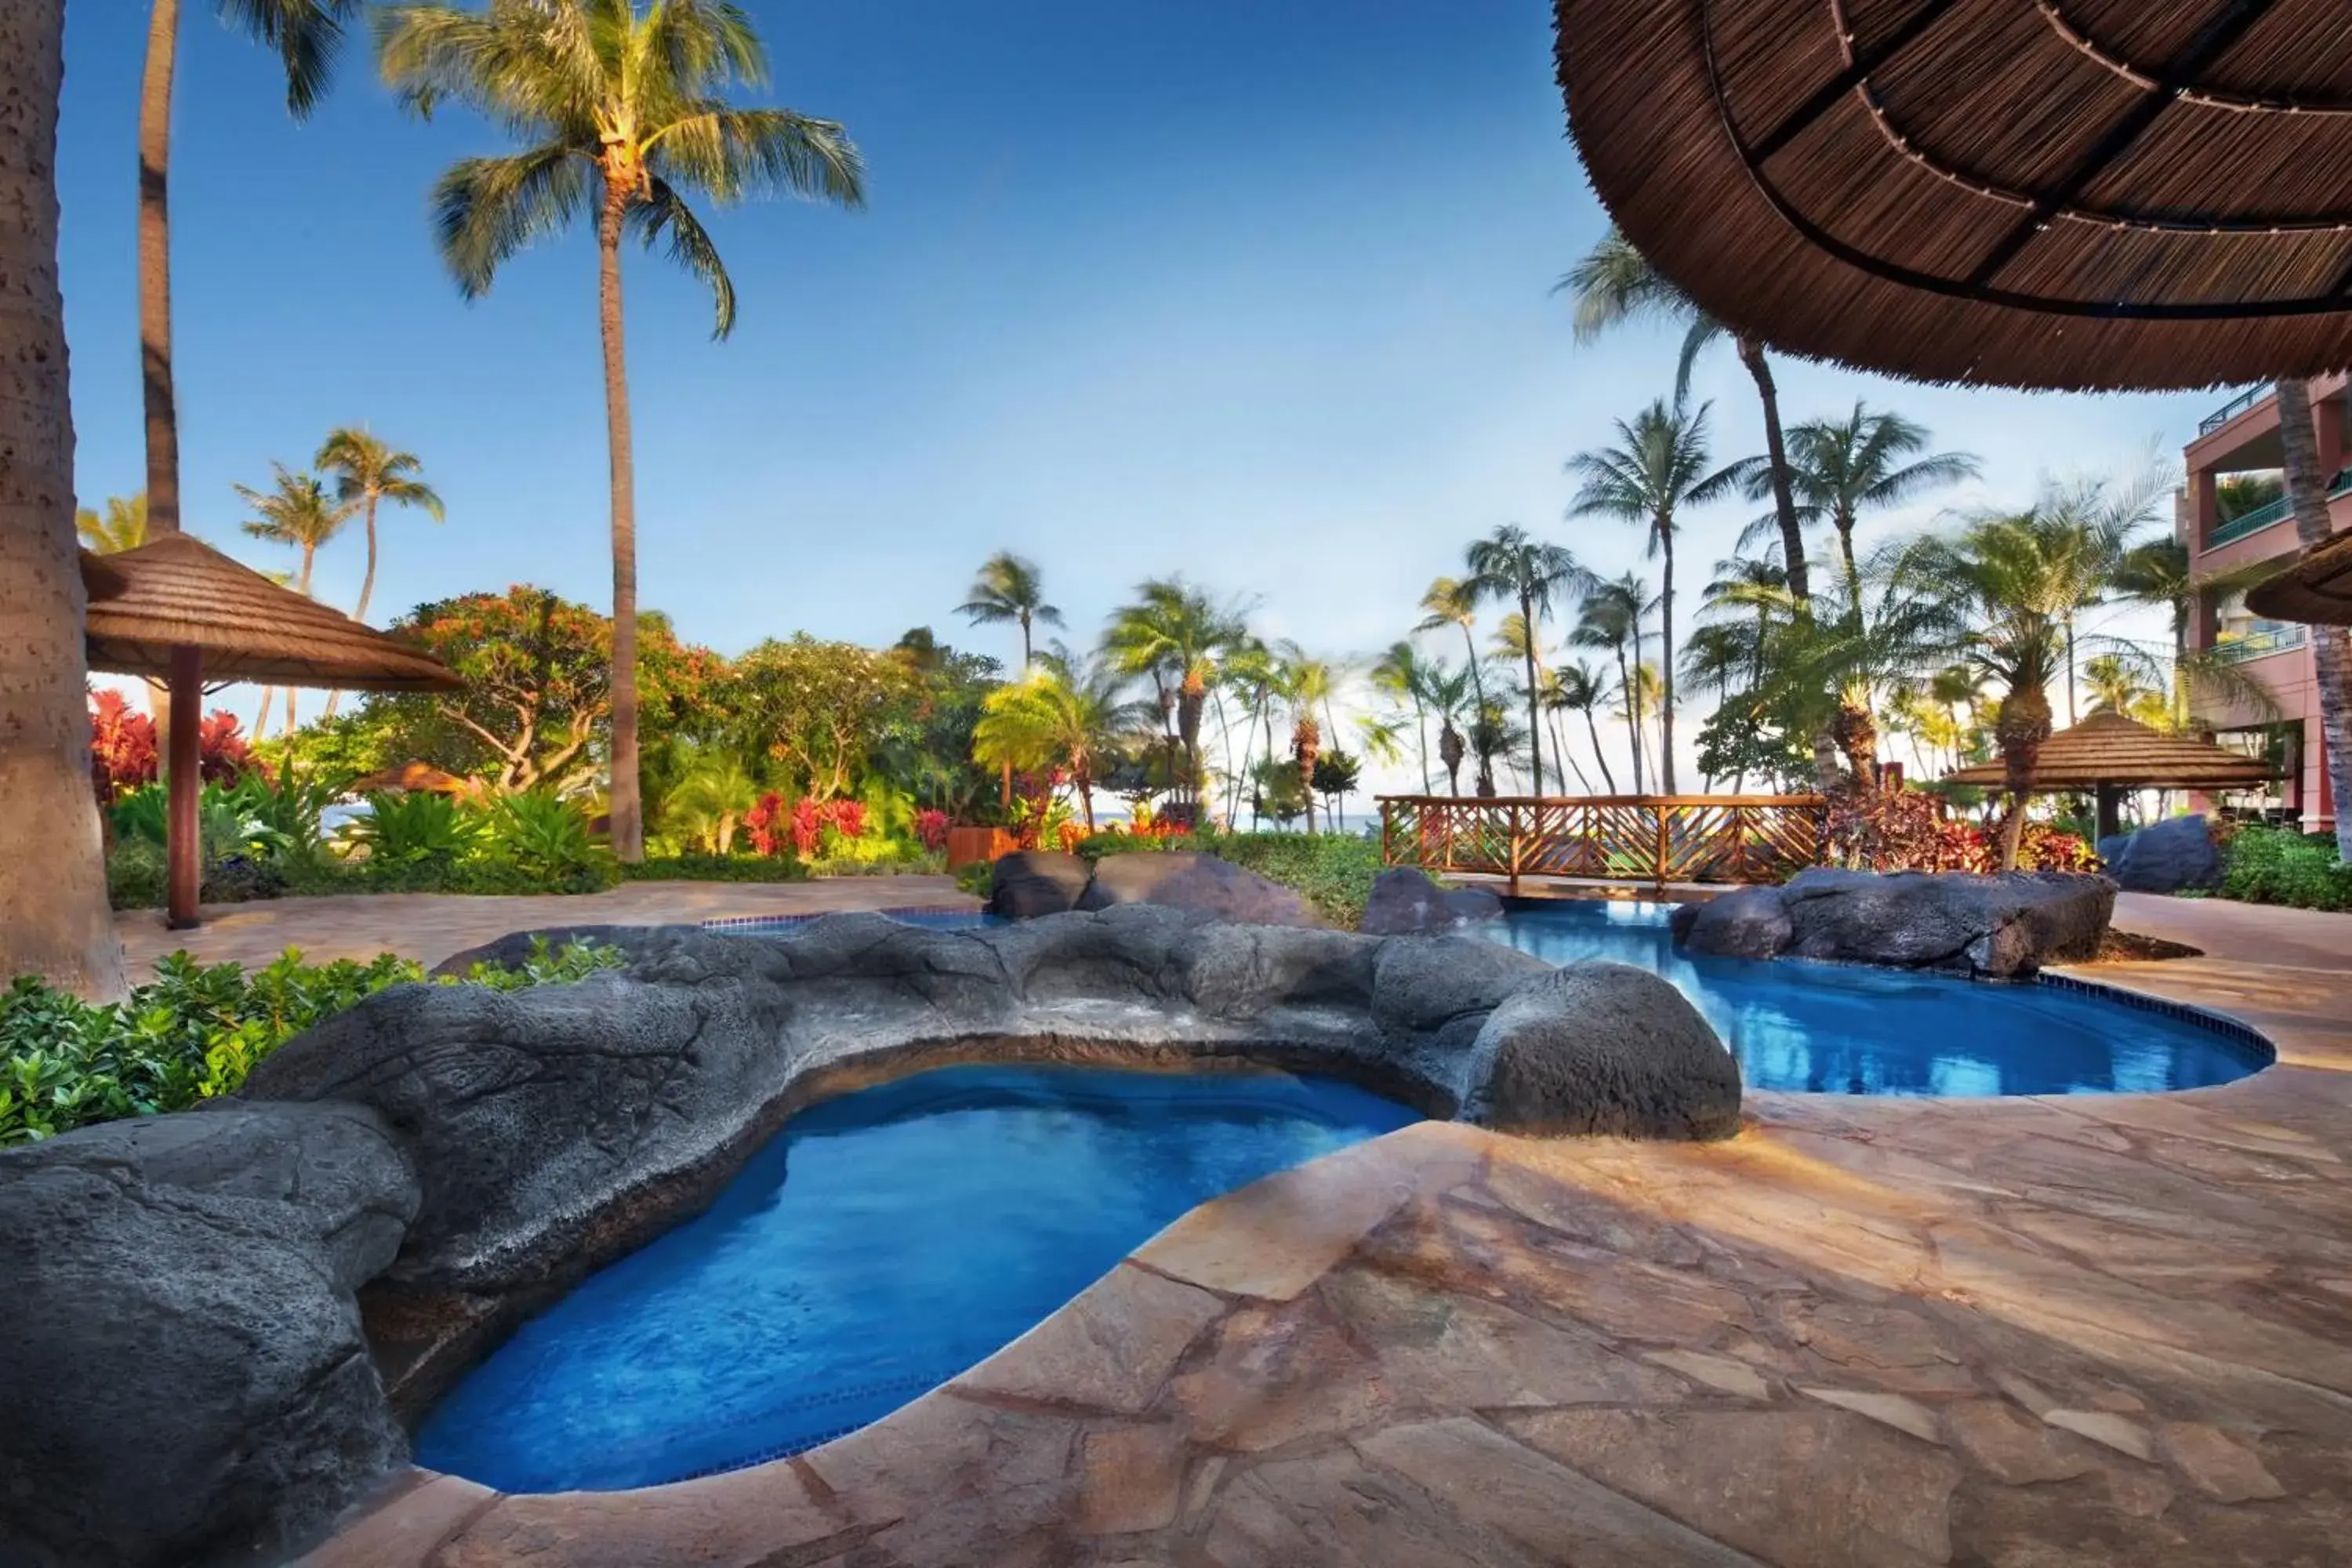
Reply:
x=2077, y=1330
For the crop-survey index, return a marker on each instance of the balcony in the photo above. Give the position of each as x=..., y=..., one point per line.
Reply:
x=2232, y=409
x=2258, y=645
x=2261, y=517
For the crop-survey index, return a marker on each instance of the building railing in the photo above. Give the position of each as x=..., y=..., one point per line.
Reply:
x=2258, y=645
x=1653, y=839
x=2261, y=517
x=2232, y=409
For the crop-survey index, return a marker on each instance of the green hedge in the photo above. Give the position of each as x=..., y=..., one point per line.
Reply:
x=715, y=868
x=1334, y=870
x=2274, y=865
x=193, y=1033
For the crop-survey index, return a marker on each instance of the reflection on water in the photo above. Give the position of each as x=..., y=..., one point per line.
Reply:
x=1843, y=1029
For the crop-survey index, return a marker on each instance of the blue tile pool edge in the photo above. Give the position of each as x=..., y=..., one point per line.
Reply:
x=765, y=923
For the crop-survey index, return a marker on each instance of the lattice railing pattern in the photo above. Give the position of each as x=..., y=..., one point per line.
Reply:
x=1635, y=838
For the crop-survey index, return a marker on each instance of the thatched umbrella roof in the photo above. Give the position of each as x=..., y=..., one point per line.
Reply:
x=2109, y=750
x=179, y=592
x=2082, y=194
x=2317, y=590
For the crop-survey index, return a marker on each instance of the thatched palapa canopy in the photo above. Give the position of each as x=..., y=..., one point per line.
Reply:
x=179, y=592
x=179, y=611
x=2109, y=753
x=2317, y=589
x=2099, y=194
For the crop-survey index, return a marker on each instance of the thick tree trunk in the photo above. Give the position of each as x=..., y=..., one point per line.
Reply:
x=624, y=807
x=56, y=924
x=2306, y=490
x=156, y=269
x=1775, y=449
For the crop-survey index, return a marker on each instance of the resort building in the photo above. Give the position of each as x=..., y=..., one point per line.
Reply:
x=2232, y=513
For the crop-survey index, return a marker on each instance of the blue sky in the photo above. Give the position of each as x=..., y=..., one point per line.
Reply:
x=1258, y=290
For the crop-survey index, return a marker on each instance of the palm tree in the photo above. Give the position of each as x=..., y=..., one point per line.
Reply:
x=307, y=35
x=1062, y=713
x=52, y=875
x=1009, y=588
x=621, y=112
x=302, y=511
x=2331, y=646
x=1449, y=696
x=1839, y=469
x=1511, y=566
x=1402, y=673
x=1174, y=635
x=2155, y=575
x=1308, y=683
x=1611, y=619
x=711, y=800
x=1581, y=689
x=1658, y=470
x=2006, y=587
x=368, y=471
x=1453, y=602
x=1615, y=283
x=123, y=526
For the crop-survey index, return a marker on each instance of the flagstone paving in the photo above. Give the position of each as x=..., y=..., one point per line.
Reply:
x=1869, y=1332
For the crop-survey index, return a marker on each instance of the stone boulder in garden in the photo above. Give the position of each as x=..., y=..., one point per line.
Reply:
x=1028, y=883
x=1603, y=1048
x=1405, y=900
x=1202, y=884
x=186, y=1379
x=2166, y=856
x=1996, y=927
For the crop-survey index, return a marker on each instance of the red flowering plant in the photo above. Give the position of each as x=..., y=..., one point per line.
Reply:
x=1908, y=830
x=931, y=827
x=121, y=744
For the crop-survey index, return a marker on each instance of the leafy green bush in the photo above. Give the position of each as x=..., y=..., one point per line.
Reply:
x=545, y=837
x=977, y=879
x=413, y=828
x=193, y=1033
x=2275, y=865
x=1334, y=870
x=902, y=863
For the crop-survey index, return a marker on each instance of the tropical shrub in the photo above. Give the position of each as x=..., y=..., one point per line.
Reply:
x=123, y=752
x=193, y=1033
x=413, y=828
x=931, y=828
x=1908, y=830
x=2278, y=866
x=689, y=868
x=545, y=838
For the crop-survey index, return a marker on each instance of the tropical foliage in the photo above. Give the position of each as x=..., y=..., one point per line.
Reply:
x=195, y=1031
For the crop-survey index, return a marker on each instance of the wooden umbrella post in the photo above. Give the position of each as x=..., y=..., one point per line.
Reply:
x=183, y=851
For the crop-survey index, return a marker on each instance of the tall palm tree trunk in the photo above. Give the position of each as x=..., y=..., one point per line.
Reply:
x=624, y=809
x=260, y=720
x=2331, y=646
x=1776, y=450
x=1666, y=661
x=367, y=589
x=1421, y=728
x=156, y=269
x=52, y=875
x=1627, y=683
x=1535, y=713
x=1593, y=730
x=1852, y=570
x=301, y=586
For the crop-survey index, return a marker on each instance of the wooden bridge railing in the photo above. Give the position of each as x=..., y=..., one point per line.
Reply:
x=1655, y=838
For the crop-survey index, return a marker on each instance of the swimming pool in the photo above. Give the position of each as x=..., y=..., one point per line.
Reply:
x=925, y=1224
x=1829, y=1028
x=1839, y=1028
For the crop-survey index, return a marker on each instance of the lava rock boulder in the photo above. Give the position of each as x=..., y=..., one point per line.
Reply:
x=187, y=1380
x=2164, y=856
x=1603, y=1048
x=1405, y=900
x=1201, y=884
x=1032, y=882
x=1992, y=927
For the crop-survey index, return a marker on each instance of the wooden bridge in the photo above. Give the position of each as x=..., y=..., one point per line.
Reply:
x=1651, y=839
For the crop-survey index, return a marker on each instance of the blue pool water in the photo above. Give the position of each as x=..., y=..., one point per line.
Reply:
x=924, y=1224
x=1843, y=1029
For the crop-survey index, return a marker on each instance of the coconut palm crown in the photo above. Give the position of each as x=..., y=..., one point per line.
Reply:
x=1009, y=588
